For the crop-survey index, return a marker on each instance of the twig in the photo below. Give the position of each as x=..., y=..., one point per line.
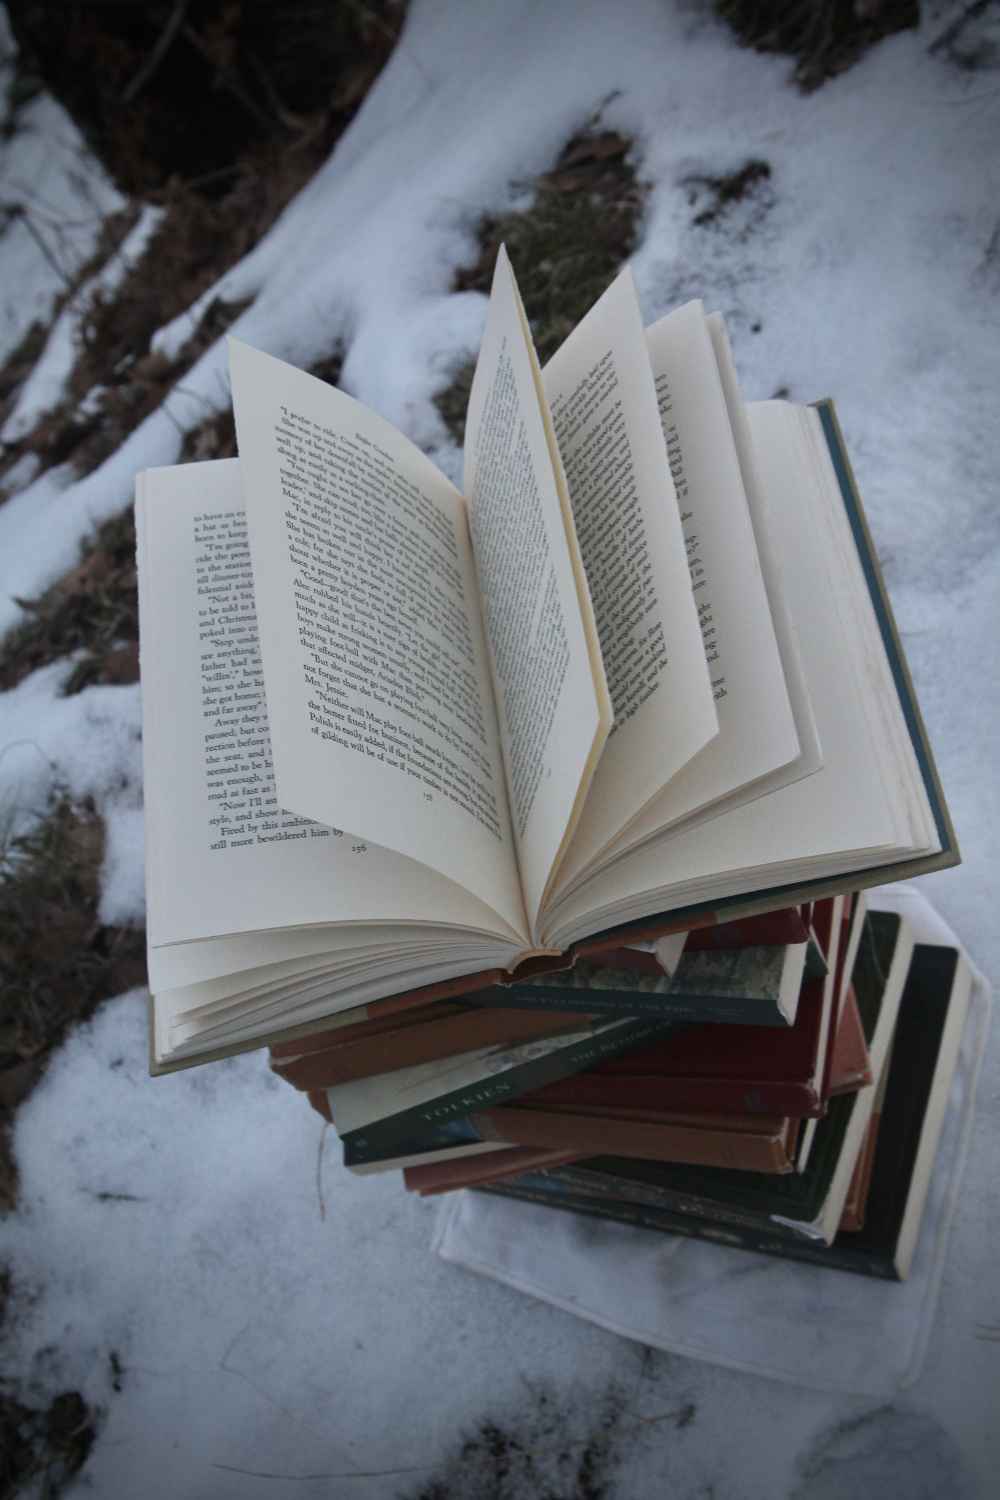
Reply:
x=19, y=211
x=229, y=1370
x=953, y=32
x=319, y=1173
x=159, y=52
x=230, y=81
x=682, y=1416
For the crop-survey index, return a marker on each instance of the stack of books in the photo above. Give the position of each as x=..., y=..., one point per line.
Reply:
x=809, y=1132
x=621, y=738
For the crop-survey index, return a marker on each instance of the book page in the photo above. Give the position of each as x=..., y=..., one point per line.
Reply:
x=223, y=855
x=601, y=393
x=810, y=751
x=844, y=817
x=375, y=666
x=757, y=727
x=551, y=696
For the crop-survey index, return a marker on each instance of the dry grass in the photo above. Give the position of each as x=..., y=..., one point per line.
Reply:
x=93, y=609
x=566, y=247
x=162, y=91
x=750, y=181
x=826, y=37
x=203, y=234
x=57, y=960
x=44, y=1447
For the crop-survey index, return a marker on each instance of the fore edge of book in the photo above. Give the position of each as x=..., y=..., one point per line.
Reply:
x=405, y=1000
x=890, y=634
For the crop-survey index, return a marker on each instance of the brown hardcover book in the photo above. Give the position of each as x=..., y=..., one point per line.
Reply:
x=321, y=1104
x=748, y=1142
x=385, y=1044
x=851, y=1068
x=852, y=1219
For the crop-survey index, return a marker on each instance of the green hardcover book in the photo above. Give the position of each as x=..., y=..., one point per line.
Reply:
x=739, y=986
x=802, y=1205
x=371, y=1114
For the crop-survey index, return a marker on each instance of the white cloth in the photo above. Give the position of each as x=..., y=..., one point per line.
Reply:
x=810, y=1325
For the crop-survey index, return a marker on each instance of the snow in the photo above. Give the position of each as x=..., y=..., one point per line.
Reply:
x=863, y=264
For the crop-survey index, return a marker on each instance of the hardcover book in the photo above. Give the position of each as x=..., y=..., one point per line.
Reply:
x=374, y=1112
x=729, y=1069
x=803, y=1205
x=642, y=678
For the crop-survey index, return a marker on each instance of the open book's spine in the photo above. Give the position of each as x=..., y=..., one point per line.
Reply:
x=501, y=1088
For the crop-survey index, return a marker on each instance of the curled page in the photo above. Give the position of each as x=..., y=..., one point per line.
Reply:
x=551, y=697
x=375, y=667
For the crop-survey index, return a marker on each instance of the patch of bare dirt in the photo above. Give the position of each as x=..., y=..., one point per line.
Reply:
x=57, y=960
x=211, y=221
x=44, y=1447
x=566, y=247
x=93, y=609
x=826, y=37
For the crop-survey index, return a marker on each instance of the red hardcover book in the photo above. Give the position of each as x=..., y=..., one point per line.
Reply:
x=756, y=1070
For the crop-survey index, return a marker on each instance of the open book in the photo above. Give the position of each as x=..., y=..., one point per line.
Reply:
x=400, y=741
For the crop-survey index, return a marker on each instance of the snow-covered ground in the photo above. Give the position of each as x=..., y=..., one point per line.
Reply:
x=270, y=1315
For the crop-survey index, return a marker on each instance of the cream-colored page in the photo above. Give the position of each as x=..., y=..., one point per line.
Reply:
x=375, y=666
x=810, y=750
x=757, y=731
x=549, y=686
x=840, y=818
x=222, y=958
x=600, y=390
x=223, y=856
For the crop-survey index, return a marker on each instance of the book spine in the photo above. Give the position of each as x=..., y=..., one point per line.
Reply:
x=578, y=1178
x=694, y=1009
x=654, y=1142
x=703, y=1096
x=835, y=1256
x=482, y=1026
x=504, y=1087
